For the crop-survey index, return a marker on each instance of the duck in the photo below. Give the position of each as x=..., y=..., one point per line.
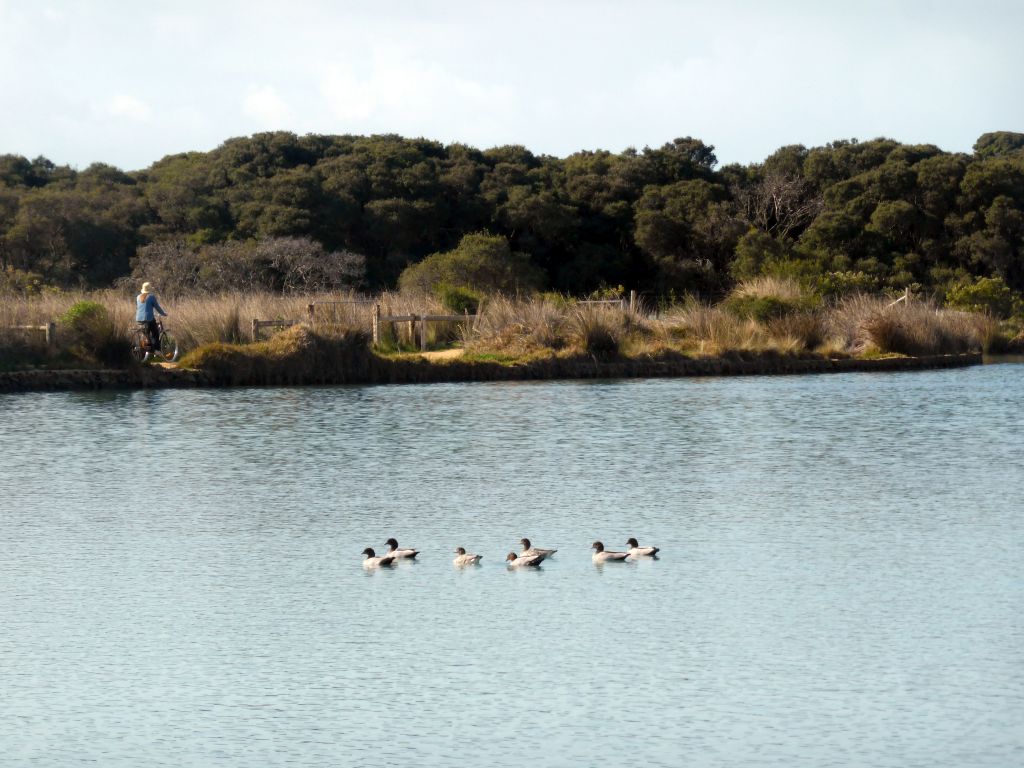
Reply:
x=400, y=554
x=372, y=561
x=515, y=561
x=600, y=556
x=463, y=559
x=528, y=549
x=635, y=550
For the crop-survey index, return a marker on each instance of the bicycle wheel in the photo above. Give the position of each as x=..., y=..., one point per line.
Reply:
x=168, y=351
x=138, y=352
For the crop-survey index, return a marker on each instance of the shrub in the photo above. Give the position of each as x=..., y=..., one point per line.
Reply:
x=921, y=330
x=481, y=262
x=806, y=329
x=760, y=308
x=833, y=284
x=458, y=299
x=92, y=335
x=764, y=299
x=987, y=294
x=598, y=330
x=753, y=251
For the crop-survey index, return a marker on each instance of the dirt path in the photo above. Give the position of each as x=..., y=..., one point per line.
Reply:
x=443, y=354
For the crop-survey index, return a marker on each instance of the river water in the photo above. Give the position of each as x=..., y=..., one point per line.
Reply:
x=841, y=581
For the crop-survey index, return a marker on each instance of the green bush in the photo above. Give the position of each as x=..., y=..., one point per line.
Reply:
x=987, y=294
x=83, y=316
x=91, y=334
x=753, y=252
x=458, y=299
x=845, y=283
x=762, y=308
x=481, y=262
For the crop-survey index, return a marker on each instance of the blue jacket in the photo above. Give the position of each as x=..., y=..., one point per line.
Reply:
x=144, y=309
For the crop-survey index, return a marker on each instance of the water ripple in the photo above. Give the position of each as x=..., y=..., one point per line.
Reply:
x=841, y=581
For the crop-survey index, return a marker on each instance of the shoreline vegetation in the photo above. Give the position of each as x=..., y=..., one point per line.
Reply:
x=763, y=326
x=853, y=255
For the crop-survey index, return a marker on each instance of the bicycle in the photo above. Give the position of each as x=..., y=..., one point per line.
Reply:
x=142, y=347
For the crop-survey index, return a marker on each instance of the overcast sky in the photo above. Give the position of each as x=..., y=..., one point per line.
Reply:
x=129, y=82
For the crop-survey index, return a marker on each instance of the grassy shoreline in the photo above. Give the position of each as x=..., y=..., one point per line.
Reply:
x=763, y=326
x=296, y=358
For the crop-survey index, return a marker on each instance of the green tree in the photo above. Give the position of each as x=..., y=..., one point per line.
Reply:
x=482, y=262
x=689, y=231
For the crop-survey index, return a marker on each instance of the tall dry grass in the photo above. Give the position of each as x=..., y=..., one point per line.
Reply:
x=195, y=320
x=855, y=326
x=866, y=324
x=522, y=327
x=544, y=325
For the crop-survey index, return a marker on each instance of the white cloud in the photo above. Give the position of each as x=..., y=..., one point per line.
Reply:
x=128, y=107
x=411, y=94
x=555, y=75
x=266, y=107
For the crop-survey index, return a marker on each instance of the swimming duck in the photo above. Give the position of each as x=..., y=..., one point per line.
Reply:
x=525, y=560
x=531, y=550
x=372, y=561
x=399, y=554
x=462, y=559
x=600, y=556
x=635, y=550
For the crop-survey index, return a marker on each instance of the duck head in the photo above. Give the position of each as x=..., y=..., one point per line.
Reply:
x=525, y=543
x=460, y=550
x=632, y=543
x=510, y=557
x=392, y=543
x=598, y=546
x=369, y=552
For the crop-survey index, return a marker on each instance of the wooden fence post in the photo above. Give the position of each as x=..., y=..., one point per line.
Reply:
x=423, y=333
x=51, y=334
x=632, y=301
x=376, y=324
x=311, y=312
x=255, y=329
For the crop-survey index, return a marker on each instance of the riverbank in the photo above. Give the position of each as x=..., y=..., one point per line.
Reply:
x=414, y=370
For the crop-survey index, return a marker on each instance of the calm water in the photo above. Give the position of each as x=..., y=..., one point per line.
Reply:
x=841, y=585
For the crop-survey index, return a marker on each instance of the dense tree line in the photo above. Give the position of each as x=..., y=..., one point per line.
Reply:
x=870, y=214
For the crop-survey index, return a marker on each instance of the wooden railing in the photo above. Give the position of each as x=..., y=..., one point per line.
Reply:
x=905, y=298
x=412, y=320
x=621, y=302
x=49, y=329
x=311, y=307
x=415, y=322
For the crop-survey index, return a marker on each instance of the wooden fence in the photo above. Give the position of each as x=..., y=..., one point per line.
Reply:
x=905, y=298
x=413, y=320
x=621, y=302
x=311, y=307
x=49, y=329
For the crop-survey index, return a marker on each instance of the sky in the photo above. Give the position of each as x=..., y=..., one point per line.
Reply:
x=127, y=83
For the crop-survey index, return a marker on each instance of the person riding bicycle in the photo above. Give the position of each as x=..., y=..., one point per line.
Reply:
x=145, y=305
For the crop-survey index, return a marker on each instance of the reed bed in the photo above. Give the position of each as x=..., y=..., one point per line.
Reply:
x=761, y=316
x=797, y=324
